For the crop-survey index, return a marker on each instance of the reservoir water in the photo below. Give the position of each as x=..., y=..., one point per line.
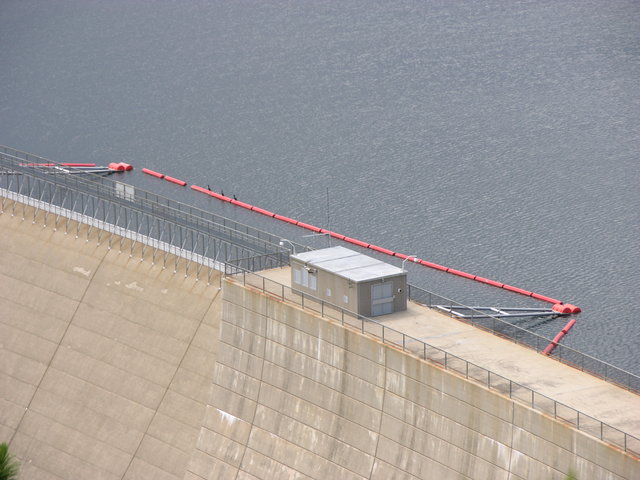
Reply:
x=500, y=137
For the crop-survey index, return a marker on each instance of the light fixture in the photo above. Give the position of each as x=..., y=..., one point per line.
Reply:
x=293, y=247
x=415, y=260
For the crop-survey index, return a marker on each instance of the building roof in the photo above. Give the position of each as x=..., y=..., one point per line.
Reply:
x=348, y=264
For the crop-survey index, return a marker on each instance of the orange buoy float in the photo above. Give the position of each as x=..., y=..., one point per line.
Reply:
x=150, y=172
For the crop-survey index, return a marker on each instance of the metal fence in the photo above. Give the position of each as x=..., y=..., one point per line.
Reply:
x=17, y=160
x=121, y=209
x=530, y=339
x=425, y=351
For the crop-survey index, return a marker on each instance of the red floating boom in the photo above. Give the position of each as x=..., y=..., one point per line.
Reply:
x=264, y=212
x=241, y=204
x=177, y=181
x=309, y=227
x=382, y=250
x=549, y=348
x=565, y=308
x=150, y=172
x=285, y=219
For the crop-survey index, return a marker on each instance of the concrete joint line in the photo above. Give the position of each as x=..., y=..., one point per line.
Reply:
x=513, y=419
x=186, y=350
x=56, y=350
x=384, y=397
x=246, y=445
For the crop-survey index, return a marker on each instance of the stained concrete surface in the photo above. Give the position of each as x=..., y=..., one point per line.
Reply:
x=593, y=396
x=106, y=360
x=296, y=396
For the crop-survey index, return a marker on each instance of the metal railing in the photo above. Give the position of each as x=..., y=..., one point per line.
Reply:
x=413, y=346
x=526, y=338
x=118, y=208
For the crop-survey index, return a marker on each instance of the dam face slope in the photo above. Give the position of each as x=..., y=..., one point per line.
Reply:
x=105, y=361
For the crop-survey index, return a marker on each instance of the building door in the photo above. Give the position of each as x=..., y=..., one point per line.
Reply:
x=381, y=298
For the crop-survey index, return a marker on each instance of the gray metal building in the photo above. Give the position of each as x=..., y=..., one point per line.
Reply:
x=351, y=280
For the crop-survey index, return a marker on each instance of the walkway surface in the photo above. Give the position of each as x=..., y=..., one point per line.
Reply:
x=588, y=394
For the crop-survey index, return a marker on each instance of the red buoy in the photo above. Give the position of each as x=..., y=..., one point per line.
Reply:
x=356, y=242
x=517, y=290
x=313, y=228
x=561, y=308
x=115, y=166
x=241, y=204
x=433, y=265
x=537, y=296
x=573, y=308
x=263, y=211
x=177, y=181
x=549, y=348
x=149, y=172
x=381, y=250
x=339, y=236
x=461, y=274
x=285, y=219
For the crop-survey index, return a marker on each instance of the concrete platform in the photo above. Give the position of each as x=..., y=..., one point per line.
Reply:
x=588, y=394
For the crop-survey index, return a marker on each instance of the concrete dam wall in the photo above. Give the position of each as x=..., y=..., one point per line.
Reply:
x=295, y=396
x=105, y=361
x=112, y=368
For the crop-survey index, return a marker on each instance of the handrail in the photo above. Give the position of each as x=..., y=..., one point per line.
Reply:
x=524, y=337
x=101, y=205
x=416, y=347
x=95, y=181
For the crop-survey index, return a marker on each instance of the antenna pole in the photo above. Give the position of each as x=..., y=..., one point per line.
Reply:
x=328, y=218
